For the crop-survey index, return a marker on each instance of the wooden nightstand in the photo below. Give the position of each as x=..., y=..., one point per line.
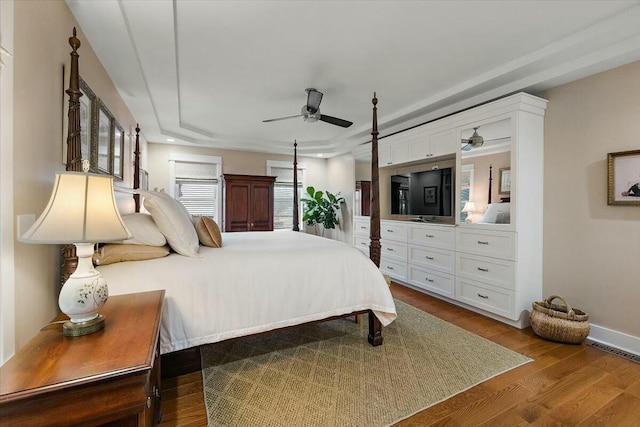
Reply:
x=109, y=377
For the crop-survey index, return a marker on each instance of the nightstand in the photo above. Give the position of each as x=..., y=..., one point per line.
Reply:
x=109, y=377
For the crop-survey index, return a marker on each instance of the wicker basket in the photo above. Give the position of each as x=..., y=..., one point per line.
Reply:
x=559, y=323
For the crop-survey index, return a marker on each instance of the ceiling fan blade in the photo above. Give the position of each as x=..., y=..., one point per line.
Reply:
x=467, y=147
x=313, y=100
x=335, y=121
x=281, y=118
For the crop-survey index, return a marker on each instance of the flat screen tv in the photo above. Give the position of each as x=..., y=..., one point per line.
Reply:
x=426, y=194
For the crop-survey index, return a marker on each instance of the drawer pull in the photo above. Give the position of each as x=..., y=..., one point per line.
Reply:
x=431, y=236
x=428, y=257
x=483, y=296
x=389, y=163
x=428, y=280
x=390, y=231
x=390, y=249
x=486, y=270
x=480, y=242
x=362, y=227
x=148, y=402
x=363, y=243
x=389, y=267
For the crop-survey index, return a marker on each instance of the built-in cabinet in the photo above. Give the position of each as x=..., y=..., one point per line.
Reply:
x=492, y=261
x=248, y=202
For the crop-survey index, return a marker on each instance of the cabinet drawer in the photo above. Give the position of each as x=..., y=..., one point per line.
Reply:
x=432, y=235
x=361, y=226
x=362, y=243
x=496, y=300
x=497, y=244
x=431, y=280
x=395, y=250
x=390, y=230
x=437, y=259
x=493, y=271
x=393, y=268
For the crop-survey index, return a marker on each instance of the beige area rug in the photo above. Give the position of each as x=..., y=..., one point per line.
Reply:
x=327, y=374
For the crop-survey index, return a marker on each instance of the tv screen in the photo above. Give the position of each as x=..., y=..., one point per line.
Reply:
x=428, y=193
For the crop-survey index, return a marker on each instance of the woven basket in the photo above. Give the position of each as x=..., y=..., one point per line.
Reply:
x=559, y=323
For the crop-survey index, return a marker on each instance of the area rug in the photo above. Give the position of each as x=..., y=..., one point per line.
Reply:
x=327, y=374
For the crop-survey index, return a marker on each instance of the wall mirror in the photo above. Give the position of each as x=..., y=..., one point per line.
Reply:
x=485, y=175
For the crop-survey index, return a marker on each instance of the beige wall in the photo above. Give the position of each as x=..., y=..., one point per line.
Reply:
x=592, y=250
x=234, y=162
x=363, y=171
x=41, y=48
x=342, y=179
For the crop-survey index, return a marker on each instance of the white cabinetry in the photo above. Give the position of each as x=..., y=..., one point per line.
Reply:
x=495, y=269
x=431, y=258
x=433, y=145
x=361, y=233
x=393, y=255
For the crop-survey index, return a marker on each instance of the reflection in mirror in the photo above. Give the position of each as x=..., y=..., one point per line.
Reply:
x=88, y=105
x=118, y=149
x=485, y=174
x=104, y=141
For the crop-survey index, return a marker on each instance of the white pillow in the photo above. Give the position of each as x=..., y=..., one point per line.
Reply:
x=173, y=221
x=144, y=230
x=497, y=213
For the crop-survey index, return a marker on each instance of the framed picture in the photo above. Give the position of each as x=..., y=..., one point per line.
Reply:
x=144, y=180
x=505, y=181
x=623, y=178
x=430, y=195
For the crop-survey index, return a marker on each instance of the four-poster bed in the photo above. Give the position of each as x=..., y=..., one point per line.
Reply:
x=353, y=285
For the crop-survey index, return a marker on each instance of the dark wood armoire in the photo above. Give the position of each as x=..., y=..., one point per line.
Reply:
x=248, y=202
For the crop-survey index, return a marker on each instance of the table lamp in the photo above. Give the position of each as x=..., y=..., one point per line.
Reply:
x=82, y=210
x=469, y=208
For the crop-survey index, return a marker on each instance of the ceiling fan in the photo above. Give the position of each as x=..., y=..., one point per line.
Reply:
x=311, y=111
x=473, y=142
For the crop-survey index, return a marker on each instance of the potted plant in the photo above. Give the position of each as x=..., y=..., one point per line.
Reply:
x=321, y=208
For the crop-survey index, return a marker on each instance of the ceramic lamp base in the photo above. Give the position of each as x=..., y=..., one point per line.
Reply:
x=71, y=329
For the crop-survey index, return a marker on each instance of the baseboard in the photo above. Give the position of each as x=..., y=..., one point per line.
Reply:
x=615, y=339
x=521, y=323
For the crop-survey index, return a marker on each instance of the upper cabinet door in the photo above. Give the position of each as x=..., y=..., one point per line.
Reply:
x=444, y=143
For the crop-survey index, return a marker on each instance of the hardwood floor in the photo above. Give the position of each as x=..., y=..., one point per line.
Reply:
x=566, y=385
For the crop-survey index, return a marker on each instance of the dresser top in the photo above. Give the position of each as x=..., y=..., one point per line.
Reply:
x=51, y=361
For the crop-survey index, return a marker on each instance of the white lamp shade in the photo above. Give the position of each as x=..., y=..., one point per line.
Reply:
x=469, y=207
x=82, y=209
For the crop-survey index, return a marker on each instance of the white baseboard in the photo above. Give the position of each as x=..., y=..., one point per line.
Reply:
x=615, y=339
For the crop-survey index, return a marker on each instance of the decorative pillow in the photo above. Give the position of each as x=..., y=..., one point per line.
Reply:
x=144, y=230
x=208, y=232
x=173, y=221
x=497, y=209
x=112, y=253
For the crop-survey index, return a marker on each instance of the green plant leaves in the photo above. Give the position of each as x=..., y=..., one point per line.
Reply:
x=320, y=209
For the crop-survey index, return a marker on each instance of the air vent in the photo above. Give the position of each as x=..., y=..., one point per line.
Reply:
x=615, y=351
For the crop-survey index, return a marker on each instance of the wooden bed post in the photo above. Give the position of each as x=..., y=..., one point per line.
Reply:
x=136, y=168
x=490, y=179
x=375, y=327
x=69, y=260
x=295, y=187
x=374, y=248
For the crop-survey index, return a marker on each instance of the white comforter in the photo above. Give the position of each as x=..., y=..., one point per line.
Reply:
x=256, y=282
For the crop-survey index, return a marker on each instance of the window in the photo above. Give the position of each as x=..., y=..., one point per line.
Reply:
x=283, y=194
x=196, y=185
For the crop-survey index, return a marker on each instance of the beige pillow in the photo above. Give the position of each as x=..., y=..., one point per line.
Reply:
x=112, y=253
x=174, y=222
x=208, y=232
x=144, y=230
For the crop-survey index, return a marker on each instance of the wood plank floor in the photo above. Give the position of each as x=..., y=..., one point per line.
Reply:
x=566, y=385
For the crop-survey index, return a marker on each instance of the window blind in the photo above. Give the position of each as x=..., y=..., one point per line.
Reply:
x=283, y=197
x=196, y=187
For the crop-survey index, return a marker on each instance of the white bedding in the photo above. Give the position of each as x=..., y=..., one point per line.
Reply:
x=256, y=282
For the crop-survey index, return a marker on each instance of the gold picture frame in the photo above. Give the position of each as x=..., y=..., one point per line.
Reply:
x=623, y=178
x=505, y=181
